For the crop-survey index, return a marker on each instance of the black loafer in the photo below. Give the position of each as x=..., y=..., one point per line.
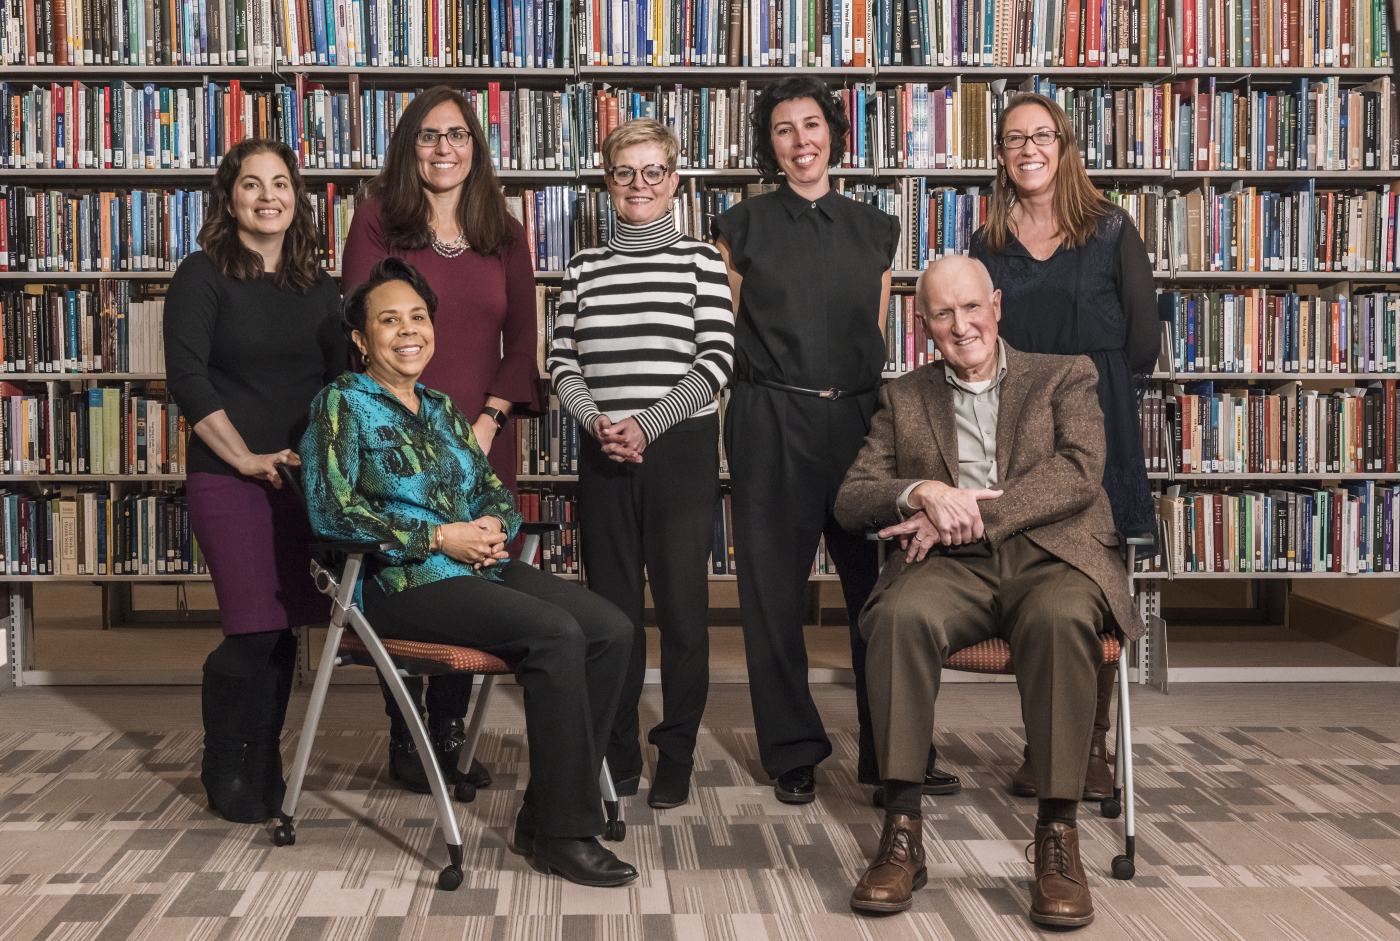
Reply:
x=522, y=841
x=798, y=786
x=671, y=786
x=941, y=783
x=585, y=861
x=406, y=767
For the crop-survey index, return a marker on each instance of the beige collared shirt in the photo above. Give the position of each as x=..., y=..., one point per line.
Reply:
x=975, y=407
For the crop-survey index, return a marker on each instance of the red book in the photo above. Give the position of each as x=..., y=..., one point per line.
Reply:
x=1091, y=33
x=1217, y=525
x=235, y=93
x=1188, y=33
x=1346, y=35
x=4, y=236
x=107, y=128
x=1390, y=427
x=1073, y=54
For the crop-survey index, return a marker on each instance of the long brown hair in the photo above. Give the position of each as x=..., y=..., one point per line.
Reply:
x=404, y=210
x=1078, y=206
x=298, y=269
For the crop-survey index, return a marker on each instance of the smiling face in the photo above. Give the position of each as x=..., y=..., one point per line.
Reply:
x=443, y=167
x=1032, y=168
x=640, y=202
x=801, y=140
x=397, y=341
x=264, y=201
x=960, y=311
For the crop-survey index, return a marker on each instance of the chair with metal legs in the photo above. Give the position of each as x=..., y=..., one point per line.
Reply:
x=396, y=659
x=994, y=657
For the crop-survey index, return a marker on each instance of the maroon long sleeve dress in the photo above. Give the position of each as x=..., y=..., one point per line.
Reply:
x=485, y=325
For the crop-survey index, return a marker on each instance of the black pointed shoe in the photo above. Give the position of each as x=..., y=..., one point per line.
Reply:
x=671, y=786
x=798, y=786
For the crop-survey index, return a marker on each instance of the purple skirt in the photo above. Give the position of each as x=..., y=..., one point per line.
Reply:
x=256, y=540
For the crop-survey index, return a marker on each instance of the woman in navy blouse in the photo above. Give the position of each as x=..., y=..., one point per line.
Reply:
x=387, y=459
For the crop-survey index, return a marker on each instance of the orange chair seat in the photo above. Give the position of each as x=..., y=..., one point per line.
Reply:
x=421, y=658
x=994, y=656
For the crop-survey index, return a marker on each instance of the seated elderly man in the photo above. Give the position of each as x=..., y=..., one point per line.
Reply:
x=989, y=467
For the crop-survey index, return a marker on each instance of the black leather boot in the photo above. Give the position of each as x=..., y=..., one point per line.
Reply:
x=227, y=702
x=266, y=745
x=449, y=736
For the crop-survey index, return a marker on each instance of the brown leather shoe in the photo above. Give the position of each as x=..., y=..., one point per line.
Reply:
x=1098, y=779
x=897, y=870
x=1023, y=781
x=1060, y=897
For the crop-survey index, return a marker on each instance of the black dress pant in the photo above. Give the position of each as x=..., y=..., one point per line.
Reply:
x=571, y=649
x=658, y=514
x=788, y=455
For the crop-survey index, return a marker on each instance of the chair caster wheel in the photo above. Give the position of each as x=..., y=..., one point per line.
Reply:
x=615, y=831
x=284, y=834
x=1110, y=808
x=450, y=878
x=464, y=792
x=1123, y=867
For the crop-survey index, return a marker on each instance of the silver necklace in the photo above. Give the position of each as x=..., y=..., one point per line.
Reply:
x=453, y=248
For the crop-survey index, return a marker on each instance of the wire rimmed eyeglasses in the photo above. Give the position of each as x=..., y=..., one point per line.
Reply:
x=457, y=137
x=1017, y=141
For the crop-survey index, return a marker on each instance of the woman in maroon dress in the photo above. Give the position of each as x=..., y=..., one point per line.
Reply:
x=438, y=205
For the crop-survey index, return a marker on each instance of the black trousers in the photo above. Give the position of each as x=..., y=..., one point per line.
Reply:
x=571, y=647
x=658, y=514
x=788, y=454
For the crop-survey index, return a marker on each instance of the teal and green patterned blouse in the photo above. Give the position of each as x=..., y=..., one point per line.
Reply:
x=373, y=470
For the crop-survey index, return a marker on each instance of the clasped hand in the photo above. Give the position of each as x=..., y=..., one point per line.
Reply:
x=478, y=543
x=623, y=442
x=945, y=515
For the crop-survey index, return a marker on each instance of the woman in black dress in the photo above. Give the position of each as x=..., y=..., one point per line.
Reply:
x=1075, y=279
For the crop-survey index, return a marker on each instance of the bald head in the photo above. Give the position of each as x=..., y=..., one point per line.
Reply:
x=960, y=308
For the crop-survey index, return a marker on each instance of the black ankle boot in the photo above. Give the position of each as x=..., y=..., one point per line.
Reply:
x=449, y=736
x=227, y=702
x=671, y=786
x=405, y=765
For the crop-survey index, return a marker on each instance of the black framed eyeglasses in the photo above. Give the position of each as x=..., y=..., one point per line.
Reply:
x=457, y=137
x=1017, y=141
x=652, y=173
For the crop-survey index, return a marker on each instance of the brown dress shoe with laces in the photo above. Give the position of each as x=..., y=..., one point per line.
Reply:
x=897, y=870
x=1060, y=897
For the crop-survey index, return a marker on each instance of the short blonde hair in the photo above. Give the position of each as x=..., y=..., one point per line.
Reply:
x=641, y=131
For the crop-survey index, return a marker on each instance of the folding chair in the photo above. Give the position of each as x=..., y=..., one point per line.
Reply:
x=994, y=656
x=396, y=659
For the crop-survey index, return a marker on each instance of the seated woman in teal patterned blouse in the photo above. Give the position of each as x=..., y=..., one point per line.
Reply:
x=386, y=459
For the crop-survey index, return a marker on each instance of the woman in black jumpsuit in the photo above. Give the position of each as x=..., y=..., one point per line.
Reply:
x=810, y=274
x=1075, y=279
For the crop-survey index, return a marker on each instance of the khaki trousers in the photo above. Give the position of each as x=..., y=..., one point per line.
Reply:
x=1048, y=611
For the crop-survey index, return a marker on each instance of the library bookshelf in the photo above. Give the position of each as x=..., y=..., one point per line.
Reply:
x=580, y=73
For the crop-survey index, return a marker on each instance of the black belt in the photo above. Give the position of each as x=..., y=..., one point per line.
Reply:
x=819, y=393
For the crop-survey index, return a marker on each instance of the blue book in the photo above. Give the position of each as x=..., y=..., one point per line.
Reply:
x=330, y=33
x=318, y=18
x=517, y=45
x=551, y=34
x=496, y=33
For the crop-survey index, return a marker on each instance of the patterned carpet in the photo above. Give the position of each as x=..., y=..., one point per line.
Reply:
x=1243, y=833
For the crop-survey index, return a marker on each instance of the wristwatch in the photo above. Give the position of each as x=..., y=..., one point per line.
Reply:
x=497, y=416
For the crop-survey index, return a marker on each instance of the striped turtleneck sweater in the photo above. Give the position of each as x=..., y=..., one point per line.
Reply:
x=645, y=329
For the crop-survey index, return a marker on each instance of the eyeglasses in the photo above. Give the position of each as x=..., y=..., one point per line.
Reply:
x=652, y=173
x=1017, y=141
x=457, y=137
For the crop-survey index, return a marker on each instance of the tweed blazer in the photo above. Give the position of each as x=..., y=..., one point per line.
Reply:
x=1050, y=458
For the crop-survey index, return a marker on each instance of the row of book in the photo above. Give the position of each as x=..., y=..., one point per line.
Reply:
x=1312, y=124
x=1260, y=331
x=1282, y=33
x=119, y=230
x=88, y=531
x=54, y=427
x=548, y=446
x=378, y=33
x=1349, y=529
x=68, y=330
x=559, y=551
x=1203, y=427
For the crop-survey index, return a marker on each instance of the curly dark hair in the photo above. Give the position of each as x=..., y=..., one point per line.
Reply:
x=791, y=89
x=298, y=269
x=403, y=204
x=354, y=309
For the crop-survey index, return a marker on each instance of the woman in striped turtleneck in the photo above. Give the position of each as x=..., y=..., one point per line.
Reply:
x=643, y=343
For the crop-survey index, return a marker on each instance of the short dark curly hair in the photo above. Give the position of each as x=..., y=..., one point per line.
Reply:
x=354, y=310
x=790, y=89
